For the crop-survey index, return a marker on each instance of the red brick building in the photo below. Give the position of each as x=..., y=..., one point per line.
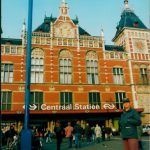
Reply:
x=75, y=75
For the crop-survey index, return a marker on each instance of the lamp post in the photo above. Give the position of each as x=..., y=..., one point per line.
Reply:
x=26, y=132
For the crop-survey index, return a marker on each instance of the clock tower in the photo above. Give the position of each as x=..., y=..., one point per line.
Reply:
x=134, y=36
x=131, y=33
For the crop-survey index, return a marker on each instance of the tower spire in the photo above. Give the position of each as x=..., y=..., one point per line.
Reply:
x=24, y=26
x=64, y=8
x=126, y=4
x=63, y=1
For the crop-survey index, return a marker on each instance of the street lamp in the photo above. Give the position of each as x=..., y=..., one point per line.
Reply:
x=26, y=132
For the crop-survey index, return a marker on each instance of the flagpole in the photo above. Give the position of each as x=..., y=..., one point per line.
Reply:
x=26, y=132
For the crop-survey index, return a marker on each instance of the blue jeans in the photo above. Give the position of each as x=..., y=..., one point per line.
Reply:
x=77, y=139
x=69, y=141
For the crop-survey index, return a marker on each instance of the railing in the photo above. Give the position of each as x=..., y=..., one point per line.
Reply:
x=116, y=55
x=84, y=41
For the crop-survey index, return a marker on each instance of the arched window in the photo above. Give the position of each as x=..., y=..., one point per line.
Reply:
x=37, y=65
x=92, y=67
x=65, y=67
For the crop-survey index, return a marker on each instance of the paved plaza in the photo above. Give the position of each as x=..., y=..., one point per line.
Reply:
x=114, y=144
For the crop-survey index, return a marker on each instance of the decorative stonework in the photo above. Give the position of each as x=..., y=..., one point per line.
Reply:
x=64, y=30
x=91, y=55
x=37, y=52
x=135, y=66
x=21, y=88
x=65, y=54
x=51, y=88
x=143, y=89
x=107, y=88
x=80, y=88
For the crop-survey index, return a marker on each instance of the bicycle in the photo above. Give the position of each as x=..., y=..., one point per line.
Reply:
x=12, y=145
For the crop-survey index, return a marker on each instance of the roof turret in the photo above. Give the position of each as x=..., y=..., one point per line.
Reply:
x=129, y=19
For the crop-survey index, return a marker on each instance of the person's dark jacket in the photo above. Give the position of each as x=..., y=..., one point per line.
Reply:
x=77, y=129
x=128, y=124
x=103, y=130
x=88, y=131
x=11, y=133
x=59, y=132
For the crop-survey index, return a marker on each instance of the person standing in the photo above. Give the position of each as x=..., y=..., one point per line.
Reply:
x=48, y=136
x=77, y=132
x=103, y=133
x=10, y=135
x=68, y=133
x=59, y=134
x=129, y=121
x=98, y=133
x=108, y=132
x=93, y=133
x=88, y=133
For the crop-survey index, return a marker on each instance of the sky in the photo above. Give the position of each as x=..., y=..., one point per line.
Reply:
x=93, y=15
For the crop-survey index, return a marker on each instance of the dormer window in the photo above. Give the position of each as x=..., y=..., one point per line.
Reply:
x=136, y=24
x=8, y=43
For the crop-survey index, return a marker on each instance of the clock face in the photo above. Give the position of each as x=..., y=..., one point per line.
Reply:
x=139, y=45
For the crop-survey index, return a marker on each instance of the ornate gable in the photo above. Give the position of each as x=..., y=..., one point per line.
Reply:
x=64, y=26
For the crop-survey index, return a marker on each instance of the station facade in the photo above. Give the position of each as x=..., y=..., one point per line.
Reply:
x=75, y=75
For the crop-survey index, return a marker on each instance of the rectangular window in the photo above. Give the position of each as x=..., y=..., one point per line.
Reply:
x=6, y=73
x=7, y=50
x=94, y=98
x=118, y=75
x=19, y=50
x=2, y=49
x=6, y=97
x=36, y=99
x=119, y=97
x=65, y=98
x=13, y=50
x=144, y=75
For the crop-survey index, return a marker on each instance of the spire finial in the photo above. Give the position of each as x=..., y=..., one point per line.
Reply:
x=126, y=4
x=45, y=14
x=64, y=8
x=24, y=25
x=102, y=32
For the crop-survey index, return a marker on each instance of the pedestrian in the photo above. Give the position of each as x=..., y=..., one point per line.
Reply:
x=98, y=133
x=59, y=134
x=103, y=133
x=68, y=133
x=93, y=133
x=10, y=135
x=77, y=132
x=48, y=136
x=108, y=132
x=88, y=133
x=129, y=121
